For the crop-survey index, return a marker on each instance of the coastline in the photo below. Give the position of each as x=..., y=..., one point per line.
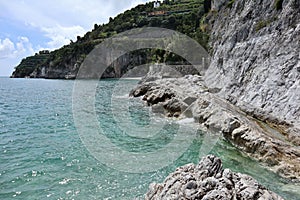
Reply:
x=131, y=78
x=188, y=97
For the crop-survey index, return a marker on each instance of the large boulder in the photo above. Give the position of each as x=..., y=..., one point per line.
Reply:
x=208, y=180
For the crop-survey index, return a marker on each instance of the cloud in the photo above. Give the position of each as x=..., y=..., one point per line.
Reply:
x=8, y=49
x=60, y=35
x=62, y=21
x=50, y=25
x=65, y=13
x=23, y=46
x=12, y=52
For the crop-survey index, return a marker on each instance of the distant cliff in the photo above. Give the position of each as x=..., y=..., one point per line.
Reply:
x=183, y=16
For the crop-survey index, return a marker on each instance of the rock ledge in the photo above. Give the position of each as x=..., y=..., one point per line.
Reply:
x=189, y=97
x=208, y=180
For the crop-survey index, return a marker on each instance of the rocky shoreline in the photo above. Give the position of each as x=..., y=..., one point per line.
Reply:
x=188, y=96
x=208, y=180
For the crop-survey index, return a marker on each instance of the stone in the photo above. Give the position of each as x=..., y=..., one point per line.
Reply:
x=219, y=183
x=217, y=115
x=191, y=185
x=140, y=90
x=250, y=92
x=158, y=108
x=189, y=100
x=260, y=65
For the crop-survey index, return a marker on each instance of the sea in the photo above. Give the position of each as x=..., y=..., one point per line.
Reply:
x=87, y=139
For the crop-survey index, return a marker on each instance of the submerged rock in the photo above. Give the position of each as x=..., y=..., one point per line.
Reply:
x=208, y=180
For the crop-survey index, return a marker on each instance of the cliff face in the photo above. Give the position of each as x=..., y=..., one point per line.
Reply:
x=68, y=69
x=255, y=59
x=255, y=66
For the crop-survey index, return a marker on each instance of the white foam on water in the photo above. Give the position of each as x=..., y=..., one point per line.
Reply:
x=125, y=96
x=64, y=181
x=186, y=121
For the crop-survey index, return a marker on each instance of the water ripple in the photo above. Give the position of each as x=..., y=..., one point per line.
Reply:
x=42, y=156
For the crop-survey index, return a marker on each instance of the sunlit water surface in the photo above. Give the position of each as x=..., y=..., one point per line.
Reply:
x=43, y=157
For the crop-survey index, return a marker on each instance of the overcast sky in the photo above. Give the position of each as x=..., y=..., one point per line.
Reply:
x=27, y=26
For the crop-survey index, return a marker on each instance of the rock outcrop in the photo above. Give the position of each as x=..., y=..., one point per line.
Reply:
x=189, y=97
x=208, y=180
x=251, y=91
x=68, y=69
x=255, y=57
x=161, y=70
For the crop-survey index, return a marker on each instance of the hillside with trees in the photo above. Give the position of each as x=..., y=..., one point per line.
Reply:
x=185, y=16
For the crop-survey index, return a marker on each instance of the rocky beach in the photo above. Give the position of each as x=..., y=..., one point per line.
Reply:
x=249, y=95
x=188, y=97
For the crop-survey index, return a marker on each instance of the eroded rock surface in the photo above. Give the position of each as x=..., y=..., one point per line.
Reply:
x=255, y=59
x=189, y=97
x=208, y=180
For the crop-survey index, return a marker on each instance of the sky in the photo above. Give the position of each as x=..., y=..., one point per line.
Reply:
x=28, y=26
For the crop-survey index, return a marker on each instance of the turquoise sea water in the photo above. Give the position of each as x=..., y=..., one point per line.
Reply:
x=44, y=156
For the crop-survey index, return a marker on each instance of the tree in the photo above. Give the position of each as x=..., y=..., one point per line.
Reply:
x=207, y=5
x=155, y=22
x=172, y=19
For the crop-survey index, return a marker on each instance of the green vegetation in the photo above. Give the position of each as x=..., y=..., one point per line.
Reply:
x=183, y=16
x=230, y=3
x=261, y=24
x=207, y=5
x=28, y=64
x=278, y=4
x=264, y=22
